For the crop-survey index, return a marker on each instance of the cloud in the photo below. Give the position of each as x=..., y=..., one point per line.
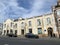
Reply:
x=27, y=4
x=10, y=9
x=40, y=7
x=24, y=8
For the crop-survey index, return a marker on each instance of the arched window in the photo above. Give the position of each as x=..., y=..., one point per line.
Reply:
x=22, y=24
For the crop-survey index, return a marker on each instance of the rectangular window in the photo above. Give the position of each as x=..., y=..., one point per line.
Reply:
x=48, y=21
x=4, y=25
x=38, y=22
x=15, y=25
x=4, y=32
x=7, y=26
x=39, y=30
x=11, y=24
x=29, y=23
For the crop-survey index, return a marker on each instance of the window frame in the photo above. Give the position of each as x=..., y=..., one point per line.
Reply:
x=48, y=20
x=39, y=30
x=30, y=23
x=39, y=22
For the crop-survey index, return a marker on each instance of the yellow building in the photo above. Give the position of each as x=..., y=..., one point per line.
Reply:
x=43, y=25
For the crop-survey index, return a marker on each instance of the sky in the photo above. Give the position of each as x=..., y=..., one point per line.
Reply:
x=13, y=9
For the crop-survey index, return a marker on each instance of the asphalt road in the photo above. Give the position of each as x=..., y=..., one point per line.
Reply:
x=25, y=41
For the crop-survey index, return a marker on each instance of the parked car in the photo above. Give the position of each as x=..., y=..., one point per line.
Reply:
x=11, y=35
x=30, y=35
x=14, y=35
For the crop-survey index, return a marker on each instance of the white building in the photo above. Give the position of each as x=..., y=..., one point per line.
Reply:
x=1, y=28
x=43, y=25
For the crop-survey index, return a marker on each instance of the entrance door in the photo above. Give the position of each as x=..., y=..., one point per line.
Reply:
x=22, y=31
x=30, y=30
x=7, y=31
x=4, y=32
x=15, y=32
x=50, y=32
x=11, y=31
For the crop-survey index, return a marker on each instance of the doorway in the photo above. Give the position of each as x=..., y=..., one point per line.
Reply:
x=50, y=32
x=11, y=31
x=7, y=31
x=15, y=32
x=22, y=31
x=30, y=30
x=4, y=32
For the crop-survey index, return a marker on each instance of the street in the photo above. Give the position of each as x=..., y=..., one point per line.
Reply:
x=27, y=41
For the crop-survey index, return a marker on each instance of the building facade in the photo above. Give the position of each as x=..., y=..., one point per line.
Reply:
x=40, y=25
x=56, y=10
x=43, y=25
x=1, y=28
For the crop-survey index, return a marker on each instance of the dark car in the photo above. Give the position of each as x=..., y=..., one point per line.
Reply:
x=12, y=35
x=30, y=35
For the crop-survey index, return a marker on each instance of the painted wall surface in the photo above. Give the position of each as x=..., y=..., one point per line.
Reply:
x=33, y=26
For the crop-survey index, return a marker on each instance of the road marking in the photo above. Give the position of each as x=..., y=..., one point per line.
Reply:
x=5, y=44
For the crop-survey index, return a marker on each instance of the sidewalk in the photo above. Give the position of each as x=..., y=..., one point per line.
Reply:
x=49, y=38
